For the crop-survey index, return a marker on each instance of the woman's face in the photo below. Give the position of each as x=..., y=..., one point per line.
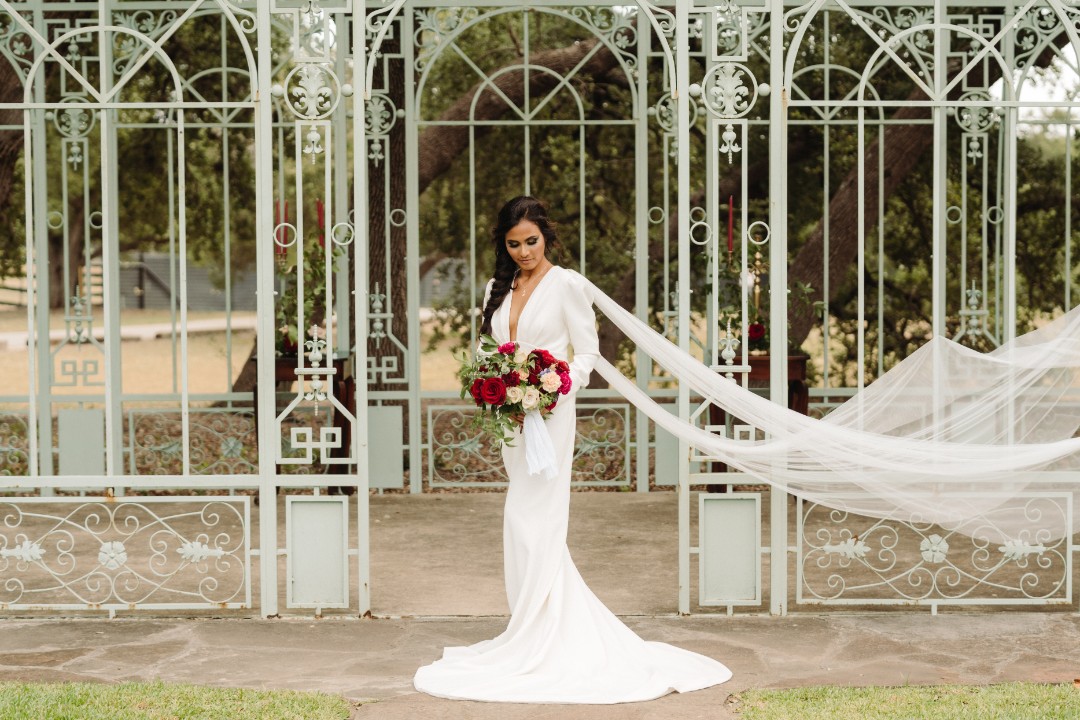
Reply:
x=525, y=243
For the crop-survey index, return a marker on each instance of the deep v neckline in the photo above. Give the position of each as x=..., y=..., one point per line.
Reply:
x=526, y=305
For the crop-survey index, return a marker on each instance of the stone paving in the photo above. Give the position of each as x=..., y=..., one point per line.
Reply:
x=374, y=659
x=435, y=560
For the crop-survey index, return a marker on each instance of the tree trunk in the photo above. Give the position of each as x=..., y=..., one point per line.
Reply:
x=76, y=221
x=11, y=141
x=904, y=147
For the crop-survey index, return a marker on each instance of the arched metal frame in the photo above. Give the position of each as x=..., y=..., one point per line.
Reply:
x=716, y=87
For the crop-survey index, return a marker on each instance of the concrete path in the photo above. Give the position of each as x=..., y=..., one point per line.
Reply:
x=374, y=660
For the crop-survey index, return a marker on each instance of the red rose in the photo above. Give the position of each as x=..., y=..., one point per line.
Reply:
x=512, y=379
x=475, y=390
x=566, y=383
x=755, y=332
x=534, y=379
x=543, y=359
x=551, y=407
x=508, y=348
x=562, y=366
x=493, y=391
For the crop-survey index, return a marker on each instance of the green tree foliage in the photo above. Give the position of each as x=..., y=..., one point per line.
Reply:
x=587, y=173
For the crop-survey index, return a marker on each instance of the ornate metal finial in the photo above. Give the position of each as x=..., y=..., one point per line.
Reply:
x=730, y=342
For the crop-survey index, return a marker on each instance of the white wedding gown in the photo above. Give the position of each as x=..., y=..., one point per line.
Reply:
x=561, y=645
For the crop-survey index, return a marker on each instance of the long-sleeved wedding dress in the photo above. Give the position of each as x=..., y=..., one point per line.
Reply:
x=562, y=644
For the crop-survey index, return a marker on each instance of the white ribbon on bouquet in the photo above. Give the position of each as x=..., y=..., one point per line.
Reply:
x=539, y=452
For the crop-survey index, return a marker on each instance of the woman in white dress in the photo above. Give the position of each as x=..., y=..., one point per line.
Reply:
x=562, y=644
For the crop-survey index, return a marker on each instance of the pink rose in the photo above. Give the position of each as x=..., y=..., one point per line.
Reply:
x=566, y=383
x=507, y=348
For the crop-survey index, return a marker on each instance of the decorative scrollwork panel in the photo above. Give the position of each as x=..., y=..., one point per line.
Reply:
x=14, y=444
x=601, y=452
x=222, y=442
x=129, y=553
x=851, y=559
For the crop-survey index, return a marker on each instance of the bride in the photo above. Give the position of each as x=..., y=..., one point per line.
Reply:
x=562, y=644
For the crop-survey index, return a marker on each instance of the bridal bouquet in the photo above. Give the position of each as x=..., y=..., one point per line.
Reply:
x=506, y=380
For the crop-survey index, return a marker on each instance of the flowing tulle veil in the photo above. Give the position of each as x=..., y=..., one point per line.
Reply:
x=981, y=443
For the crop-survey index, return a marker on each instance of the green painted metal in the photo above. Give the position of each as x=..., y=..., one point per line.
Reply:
x=331, y=100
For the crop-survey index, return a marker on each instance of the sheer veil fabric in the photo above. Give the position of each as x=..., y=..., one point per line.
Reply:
x=983, y=444
x=562, y=645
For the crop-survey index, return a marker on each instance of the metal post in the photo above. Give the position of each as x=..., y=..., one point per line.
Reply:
x=264, y=263
x=360, y=305
x=643, y=364
x=778, y=587
x=682, y=73
x=110, y=261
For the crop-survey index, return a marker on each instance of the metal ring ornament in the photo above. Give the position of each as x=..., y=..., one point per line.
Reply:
x=342, y=234
x=287, y=228
x=953, y=214
x=697, y=225
x=96, y=219
x=397, y=217
x=380, y=115
x=725, y=94
x=73, y=122
x=976, y=119
x=752, y=238
x=55, y=220
x=315, y=94
x=995, y=215
x=657, y=215
x=664, y=112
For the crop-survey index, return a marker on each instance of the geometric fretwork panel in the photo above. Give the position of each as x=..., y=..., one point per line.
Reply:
x=853, y=559
x=138, y=553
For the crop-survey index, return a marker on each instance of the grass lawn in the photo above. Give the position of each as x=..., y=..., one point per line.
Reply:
x=161, y=701
x=1012, y=701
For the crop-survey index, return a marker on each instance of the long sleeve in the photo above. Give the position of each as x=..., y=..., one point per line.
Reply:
x=580, y=321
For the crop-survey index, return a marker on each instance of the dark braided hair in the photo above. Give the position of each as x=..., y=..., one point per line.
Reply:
x=520, y=208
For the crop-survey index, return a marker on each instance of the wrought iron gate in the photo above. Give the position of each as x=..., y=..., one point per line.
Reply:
x=347, y=157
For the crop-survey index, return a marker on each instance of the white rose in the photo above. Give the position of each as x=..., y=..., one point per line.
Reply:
x=521, y=356
x=531, y=399
x=550, y=381
x=514, y=394
x=523, y=375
